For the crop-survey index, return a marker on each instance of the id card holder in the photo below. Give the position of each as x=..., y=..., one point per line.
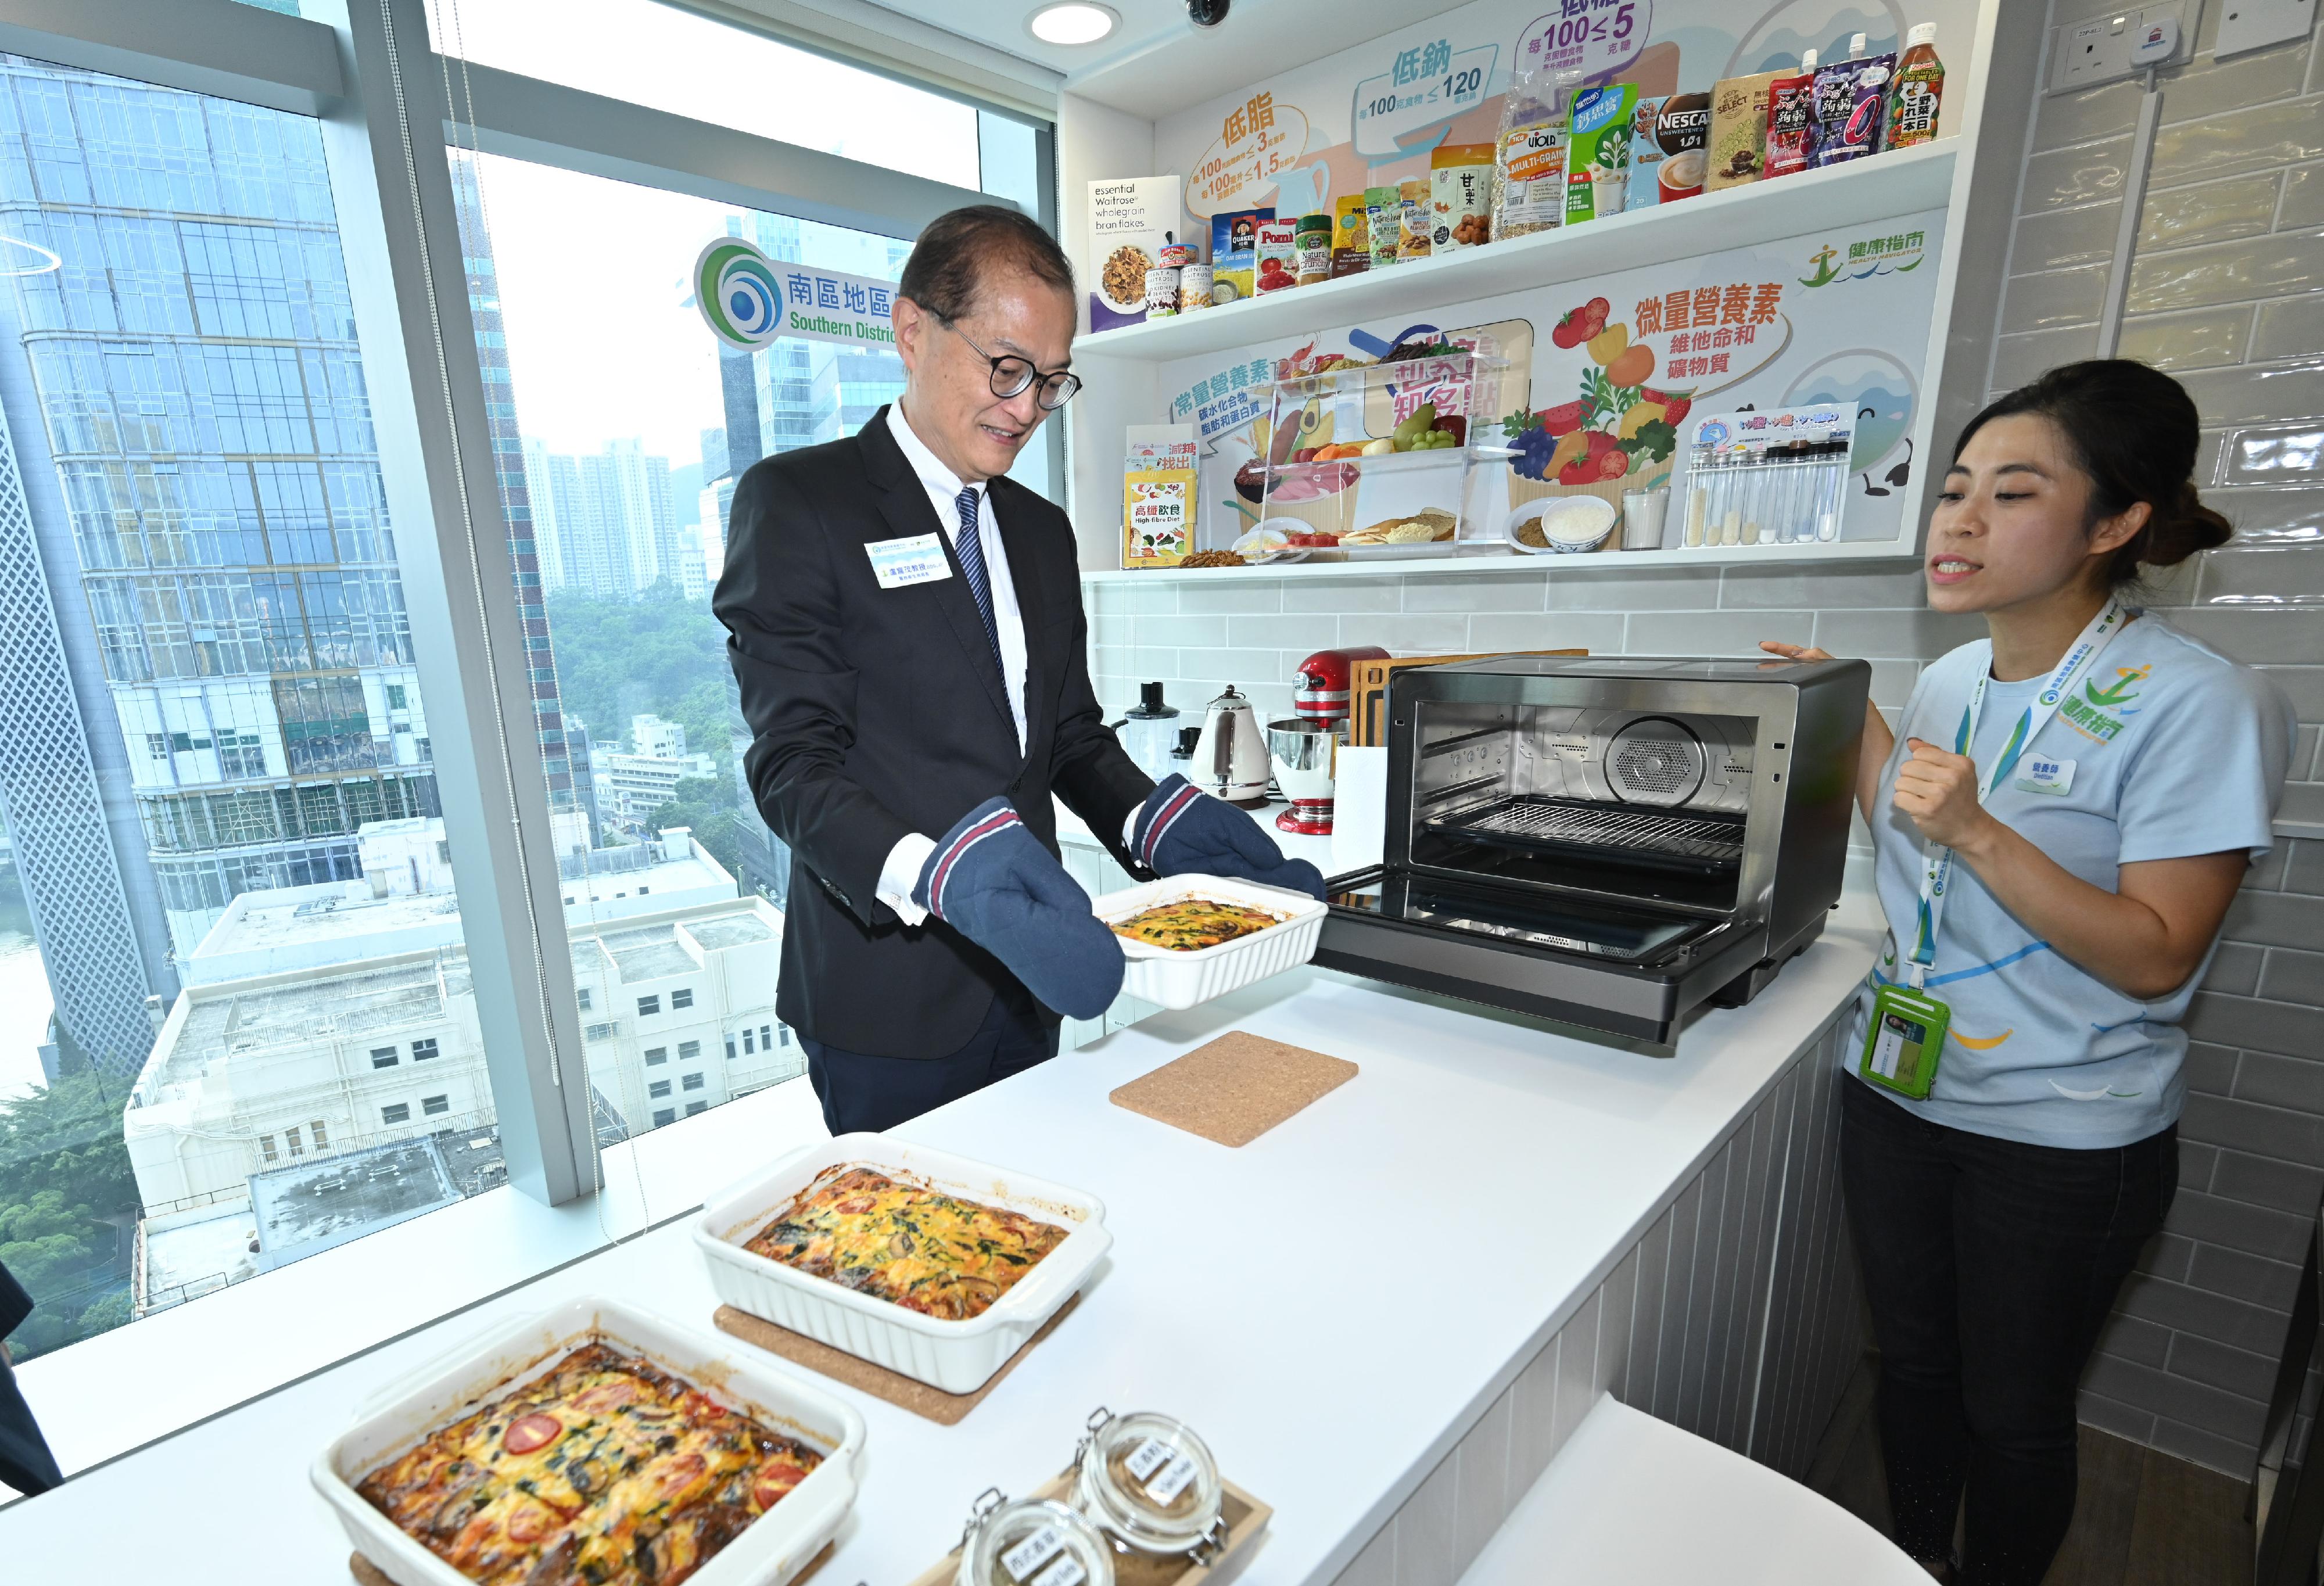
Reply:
x=1902, y=1040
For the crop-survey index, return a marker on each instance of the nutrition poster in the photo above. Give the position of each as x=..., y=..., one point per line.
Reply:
x=1610, y=368
x=1605, y=372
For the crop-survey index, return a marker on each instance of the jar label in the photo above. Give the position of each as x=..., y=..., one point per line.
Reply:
x=1027, y=1556
x=1066, y=1571
x=1172, y=1481
x=1147, y=1458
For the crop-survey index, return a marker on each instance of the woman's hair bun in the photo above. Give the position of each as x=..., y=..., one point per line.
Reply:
x=2134, y=431
x=2179, y=530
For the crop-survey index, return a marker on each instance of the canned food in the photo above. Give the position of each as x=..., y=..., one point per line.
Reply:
x=1177, y=255
x=1162, y=292
x=1194, y=288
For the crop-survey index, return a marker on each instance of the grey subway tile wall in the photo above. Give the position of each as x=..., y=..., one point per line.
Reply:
x=2224, y=293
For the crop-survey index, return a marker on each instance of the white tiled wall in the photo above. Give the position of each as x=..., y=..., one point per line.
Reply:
x=2228, y=293
x=1734, y=1316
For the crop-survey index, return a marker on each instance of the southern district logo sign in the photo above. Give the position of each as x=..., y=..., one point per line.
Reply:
x=750, y=300
x=740, y=297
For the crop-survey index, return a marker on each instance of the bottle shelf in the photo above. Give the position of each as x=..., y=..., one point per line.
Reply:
x=1897, y=183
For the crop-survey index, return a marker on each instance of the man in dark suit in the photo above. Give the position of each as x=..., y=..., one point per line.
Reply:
x=905, y=626
x=25, y=1463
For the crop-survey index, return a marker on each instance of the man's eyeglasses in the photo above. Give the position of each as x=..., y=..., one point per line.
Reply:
x=1012, y=376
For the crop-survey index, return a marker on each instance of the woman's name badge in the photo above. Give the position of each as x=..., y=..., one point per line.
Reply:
x=1902, y=1040
x=917, y=559
x=2039, y=773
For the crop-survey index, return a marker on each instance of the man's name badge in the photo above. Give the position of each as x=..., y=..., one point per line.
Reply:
x=2039, y=773
x=917, y=559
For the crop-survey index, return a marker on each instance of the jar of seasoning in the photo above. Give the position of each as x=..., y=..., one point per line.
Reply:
x=1032, y=1540
x=1151, y=1484
x=1313, y=241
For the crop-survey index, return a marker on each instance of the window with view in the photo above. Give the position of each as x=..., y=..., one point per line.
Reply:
x=198, y=570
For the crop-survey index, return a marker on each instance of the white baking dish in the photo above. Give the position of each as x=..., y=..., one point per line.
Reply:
x=957, y=1357
x=1180, y=980
x=775, y=1548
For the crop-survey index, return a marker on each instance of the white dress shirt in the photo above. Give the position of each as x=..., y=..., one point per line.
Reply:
x=903, y=871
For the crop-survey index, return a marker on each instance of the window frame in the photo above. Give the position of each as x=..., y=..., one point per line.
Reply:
x=380, y=96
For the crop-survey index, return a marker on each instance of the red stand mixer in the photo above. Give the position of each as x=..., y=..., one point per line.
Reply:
x=1305, y=748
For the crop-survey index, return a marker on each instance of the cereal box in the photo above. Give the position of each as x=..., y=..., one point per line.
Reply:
x=1130, y=221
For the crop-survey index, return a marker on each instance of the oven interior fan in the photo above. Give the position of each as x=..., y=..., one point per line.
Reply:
x=1655, y=760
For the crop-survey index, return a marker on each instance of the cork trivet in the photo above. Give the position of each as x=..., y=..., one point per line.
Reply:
x=1234, y=1089
x=1245, y=1515
x=371, y=1574
x=906, y=1393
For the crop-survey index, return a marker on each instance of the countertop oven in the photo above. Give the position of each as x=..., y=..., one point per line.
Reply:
x=1609, y=841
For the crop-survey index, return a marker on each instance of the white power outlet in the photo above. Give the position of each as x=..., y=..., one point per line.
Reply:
x=2084, y=54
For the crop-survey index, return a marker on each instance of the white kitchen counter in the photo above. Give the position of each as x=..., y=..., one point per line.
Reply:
x=1337, y=1306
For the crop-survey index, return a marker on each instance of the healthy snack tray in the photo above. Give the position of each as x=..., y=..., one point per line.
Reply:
x=915, y=1247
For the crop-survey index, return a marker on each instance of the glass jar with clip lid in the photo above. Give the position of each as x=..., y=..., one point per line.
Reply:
x=1150, y=1484
x=1031, y=1542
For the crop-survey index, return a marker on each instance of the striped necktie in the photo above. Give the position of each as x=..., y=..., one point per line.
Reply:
x=970, y=547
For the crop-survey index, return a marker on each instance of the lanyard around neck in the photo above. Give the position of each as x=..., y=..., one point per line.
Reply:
x=1936, y=860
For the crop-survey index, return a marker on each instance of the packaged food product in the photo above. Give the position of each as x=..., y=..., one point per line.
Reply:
x=1667, y=149
x=1130, y=222
x=1529, y=161
x=1158, y=495
x=1234, y=254
x=1739, y=129
x=1384, y=215
x=1279, y=249
x=1460, y=197
x=1162, y=292
x=1351, y=236
x=1415, y=218
x=1850, y=98
x=1598, y=151
x=1919, y=85
x=1178, y=255
x=1194, y=288
x=1791, y=119
x=1314, y=242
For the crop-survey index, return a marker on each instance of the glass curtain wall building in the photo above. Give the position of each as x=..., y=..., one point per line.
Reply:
x=201, y=407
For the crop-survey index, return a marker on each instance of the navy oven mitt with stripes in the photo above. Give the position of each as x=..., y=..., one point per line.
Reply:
x=1184, y=830
x=990, y=879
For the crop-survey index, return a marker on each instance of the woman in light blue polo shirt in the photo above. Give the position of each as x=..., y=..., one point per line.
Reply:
x=2060, y=823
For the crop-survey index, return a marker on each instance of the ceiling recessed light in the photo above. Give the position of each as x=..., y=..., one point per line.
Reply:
x=1075, y=21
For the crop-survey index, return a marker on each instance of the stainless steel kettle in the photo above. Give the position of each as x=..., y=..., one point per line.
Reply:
x=1230, y=757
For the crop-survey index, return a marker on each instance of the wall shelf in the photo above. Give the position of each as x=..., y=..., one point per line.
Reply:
x=1899, y=183
x=1815, y=554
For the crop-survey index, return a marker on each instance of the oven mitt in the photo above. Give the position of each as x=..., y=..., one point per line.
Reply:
x=991, y=880
x=1182, y=830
